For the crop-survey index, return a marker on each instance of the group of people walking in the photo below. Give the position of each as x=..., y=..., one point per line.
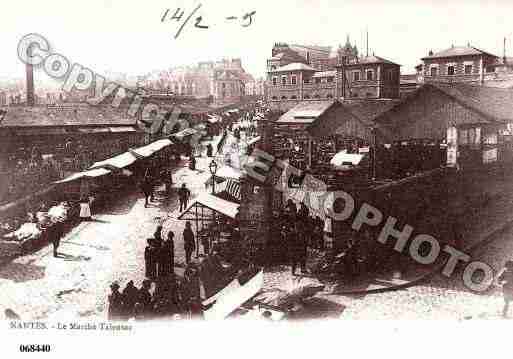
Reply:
x=159, y=255
x=297, y=231
x=171, y=297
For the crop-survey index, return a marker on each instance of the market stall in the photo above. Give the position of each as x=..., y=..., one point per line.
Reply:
x=215, y=222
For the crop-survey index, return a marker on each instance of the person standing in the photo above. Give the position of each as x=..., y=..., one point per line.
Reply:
x=192, y=163
x=146, y=189
x=158, y=235
x=210, y=150
x=115, y=302
x=56, y=232
x=183, y=196
x=506, y=279
x=85, y=209
x=144, y=298
x=166, y=257
x=130, y=294
x=169, y=181
x=150, y=260
x=188, y=242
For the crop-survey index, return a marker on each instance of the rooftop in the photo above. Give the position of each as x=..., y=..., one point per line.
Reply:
x=372, y=59
x=65, y=115
x=305, y=112
x=295, y=66
x=457, y=51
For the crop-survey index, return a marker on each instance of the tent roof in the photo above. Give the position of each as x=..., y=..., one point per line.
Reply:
x=219, y=205
x=120, y=161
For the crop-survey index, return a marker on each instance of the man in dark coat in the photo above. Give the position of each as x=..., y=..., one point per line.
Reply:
x=188, y=242
x=150, y=260
x=56, y=233
x=183, y=196
x=115, y=302
x=144, y=298
x=130, y=296
x=166, y=256
x=147, y=190
x=210, y=149
x=298, y=248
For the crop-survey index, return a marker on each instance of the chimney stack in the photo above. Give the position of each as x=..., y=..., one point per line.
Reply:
x=30, y=82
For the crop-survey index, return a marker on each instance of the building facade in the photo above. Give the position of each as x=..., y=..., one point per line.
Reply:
x=297, y=73
x=225, y=80
x=466, y=64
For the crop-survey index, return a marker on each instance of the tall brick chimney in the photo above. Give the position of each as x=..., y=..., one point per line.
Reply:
x=29, y=69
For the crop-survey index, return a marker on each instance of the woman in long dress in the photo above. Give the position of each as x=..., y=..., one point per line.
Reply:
x=85, y=209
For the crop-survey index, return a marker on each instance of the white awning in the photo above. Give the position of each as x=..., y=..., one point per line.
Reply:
x=344, y=158
x=120, y=161
x=153, y=147
x=91, y=173
x=219, y=205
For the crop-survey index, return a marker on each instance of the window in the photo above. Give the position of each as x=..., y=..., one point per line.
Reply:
x=354, y=94
x=490, y=69
x=330, y=79
x=370, y=75
x=284, y=97
x=306, y=97
x=275, y=98
x=368, y=94
x=293, y=80
x=434, y=71
x=306, y=81
x=450, y=70
x=223, y=85
x=329, y=96
x=284, y=80
x=317, y=80
x=275, y=81
x=294, y=97
x=468, y=69
x=356, y=76
x=317, y=96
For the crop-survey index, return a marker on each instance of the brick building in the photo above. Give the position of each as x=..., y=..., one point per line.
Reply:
x=466, y=64
x=298, y=73
x=225, y=80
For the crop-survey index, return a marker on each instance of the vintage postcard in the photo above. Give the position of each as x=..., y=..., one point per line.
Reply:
x=189, y=175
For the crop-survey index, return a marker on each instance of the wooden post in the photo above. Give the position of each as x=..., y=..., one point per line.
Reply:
x=197, y=237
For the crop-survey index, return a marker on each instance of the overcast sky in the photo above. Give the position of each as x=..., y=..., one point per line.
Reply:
x=128, y=36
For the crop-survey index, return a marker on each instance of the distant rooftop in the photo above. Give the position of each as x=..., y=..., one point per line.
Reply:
x=457, y=51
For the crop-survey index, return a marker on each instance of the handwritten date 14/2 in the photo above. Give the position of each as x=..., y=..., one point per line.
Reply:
x=177, y=15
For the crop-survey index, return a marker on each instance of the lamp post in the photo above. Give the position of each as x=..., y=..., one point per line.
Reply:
x=374, y=152
x=213, y=170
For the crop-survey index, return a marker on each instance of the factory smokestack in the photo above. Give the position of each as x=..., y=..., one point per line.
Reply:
x=30, y=82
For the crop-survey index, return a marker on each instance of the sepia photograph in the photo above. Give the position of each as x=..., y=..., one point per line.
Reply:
x=197, y=175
